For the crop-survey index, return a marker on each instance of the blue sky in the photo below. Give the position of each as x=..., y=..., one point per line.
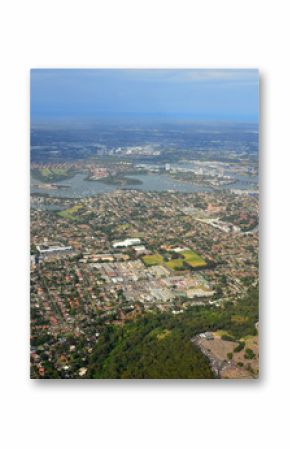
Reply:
x=198, y=94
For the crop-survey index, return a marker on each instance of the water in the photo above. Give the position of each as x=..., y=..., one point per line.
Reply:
x=79, y=187
x=161, y=183
x=52, y=207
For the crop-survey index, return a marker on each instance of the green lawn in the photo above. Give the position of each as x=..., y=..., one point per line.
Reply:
x=174, y=264
x=70, y=213
x=193, y=259
x=154, y=259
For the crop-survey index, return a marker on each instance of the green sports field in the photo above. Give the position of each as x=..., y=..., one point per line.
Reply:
x=193, y=259
x=154, y=259
x=190, y=257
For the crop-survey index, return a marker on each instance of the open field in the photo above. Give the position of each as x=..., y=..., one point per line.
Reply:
x=154, y=259
x=175, y=264
x=193, y=259
x=188, y=256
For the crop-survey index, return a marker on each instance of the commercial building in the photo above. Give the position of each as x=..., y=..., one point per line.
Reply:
x=127, y=242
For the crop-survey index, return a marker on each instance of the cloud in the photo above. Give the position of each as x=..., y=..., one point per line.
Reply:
x=218, y=75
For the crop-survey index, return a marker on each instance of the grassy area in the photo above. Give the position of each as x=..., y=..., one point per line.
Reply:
x=48, y=174
x=70, y=213
x=45, y=172
x=53, y=172
x=189, y=256
x=154, y=259
x=193, y=259
x=174, y=264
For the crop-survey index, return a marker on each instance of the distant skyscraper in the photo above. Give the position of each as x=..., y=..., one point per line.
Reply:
x=167, y=167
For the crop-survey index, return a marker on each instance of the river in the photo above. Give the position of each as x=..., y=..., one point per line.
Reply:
x=79, y=186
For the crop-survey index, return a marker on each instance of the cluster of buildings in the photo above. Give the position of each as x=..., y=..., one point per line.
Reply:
x=88, y=272
x=98, y=173
x=139, y=150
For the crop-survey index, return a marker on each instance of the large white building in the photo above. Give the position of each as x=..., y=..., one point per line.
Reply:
x=52, y=249
x=127, y=242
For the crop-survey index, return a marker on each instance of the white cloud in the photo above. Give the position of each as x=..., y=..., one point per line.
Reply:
x=234, y=75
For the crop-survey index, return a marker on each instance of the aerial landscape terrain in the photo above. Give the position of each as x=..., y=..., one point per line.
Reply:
x=144, y=245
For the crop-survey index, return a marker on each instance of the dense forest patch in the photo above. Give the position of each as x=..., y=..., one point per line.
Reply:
x=157, y=345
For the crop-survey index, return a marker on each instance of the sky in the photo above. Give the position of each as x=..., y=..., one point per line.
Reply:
x=198, y=94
